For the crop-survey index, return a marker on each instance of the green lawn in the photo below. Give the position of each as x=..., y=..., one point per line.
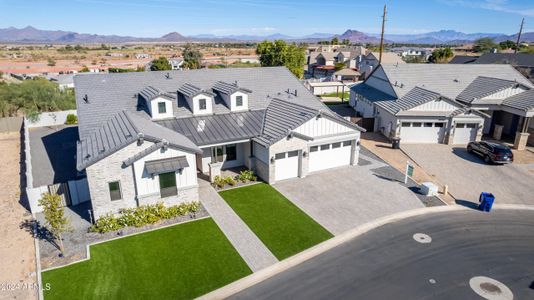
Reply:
x=178, y=262
x=340, y=94
x=280, y=225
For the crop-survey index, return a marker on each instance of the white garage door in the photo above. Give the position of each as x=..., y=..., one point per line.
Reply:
x=422, y=132
x=328, y=156
x=465, y=133
x=287, y=165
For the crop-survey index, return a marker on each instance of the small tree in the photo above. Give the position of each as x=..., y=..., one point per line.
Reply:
x=334, y=41
x=85, y=69
x=507, y=45
x=192, y=58
x=160, y=64
x=51, y=62
x=484, y=45
x=54, y=214
x=441, y=55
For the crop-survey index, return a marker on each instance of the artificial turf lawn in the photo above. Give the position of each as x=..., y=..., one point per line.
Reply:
x=178, y=262
x=278, y=223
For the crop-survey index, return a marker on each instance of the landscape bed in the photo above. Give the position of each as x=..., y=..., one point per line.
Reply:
x=178, y=262
x=278, y=223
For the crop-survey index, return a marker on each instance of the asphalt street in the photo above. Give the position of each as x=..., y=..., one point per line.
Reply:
x=388, y=263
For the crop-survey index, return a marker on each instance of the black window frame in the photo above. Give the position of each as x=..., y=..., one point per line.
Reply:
x=279, y=156
x=112, y=196
x=347, y=143
x=314, y=148
x=439, y=124
x=292, y=153
x=325, y=147
x=336, y=145
x=232, y=154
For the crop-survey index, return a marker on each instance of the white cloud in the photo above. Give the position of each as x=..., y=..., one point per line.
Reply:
x=495, y=5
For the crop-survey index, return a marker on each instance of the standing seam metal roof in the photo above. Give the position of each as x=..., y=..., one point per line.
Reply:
x=484, y=86
x=523, y=101
x=417, y=96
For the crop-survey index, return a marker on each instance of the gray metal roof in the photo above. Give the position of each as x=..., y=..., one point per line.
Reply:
x=370, y=93
x=122, y=130
x=281, y=117
x=417, y=96
x=108, y=94
x=151, y=93
x=147, y=151
x=221, y=128
x=229, y=88
x=463, y=59
x=523, y=101
x=484, y=86
x=166, y=165
x=448, y=80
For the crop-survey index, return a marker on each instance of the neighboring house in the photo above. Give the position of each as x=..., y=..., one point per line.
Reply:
x=523, y=62
x=463, y=59
x=446, y=103
x=145, y=135
x=347, y=75
x=176, y=63
x=63, y=80
x=142, y=56
x=367, y=63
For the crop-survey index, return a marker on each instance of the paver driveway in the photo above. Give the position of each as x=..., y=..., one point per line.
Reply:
x=467, y=175
x=343, y=198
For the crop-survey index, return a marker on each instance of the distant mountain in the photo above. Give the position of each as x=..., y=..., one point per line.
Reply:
x=438, y=37
x=33, y=35
x=355, y=36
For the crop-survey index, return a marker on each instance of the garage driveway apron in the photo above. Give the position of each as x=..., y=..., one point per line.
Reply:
x=343, y=198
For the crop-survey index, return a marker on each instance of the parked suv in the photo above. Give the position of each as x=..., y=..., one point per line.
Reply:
x=491, y=152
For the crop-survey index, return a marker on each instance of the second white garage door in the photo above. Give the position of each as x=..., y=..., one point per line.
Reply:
x=422, y=132
x=465, y=133
x=329, y=156
x=287, y=165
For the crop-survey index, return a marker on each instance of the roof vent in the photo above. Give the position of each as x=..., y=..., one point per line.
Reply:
x=235, y=83
x=456, y=80
x=168, y=76
x=402, y=85
x=295, y=93
x=86, y=98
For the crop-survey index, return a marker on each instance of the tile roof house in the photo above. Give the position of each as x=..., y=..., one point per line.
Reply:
x=144, y=136
x=367, y=63
x=446, y=103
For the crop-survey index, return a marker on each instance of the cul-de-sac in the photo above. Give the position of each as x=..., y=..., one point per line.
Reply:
x=259, y=149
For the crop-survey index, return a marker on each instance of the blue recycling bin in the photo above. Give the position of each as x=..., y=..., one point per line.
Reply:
x=486, y=201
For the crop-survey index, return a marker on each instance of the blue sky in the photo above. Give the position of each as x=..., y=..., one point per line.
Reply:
x=153, y=18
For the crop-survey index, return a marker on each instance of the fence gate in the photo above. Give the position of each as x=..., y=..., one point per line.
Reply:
x=62, y=189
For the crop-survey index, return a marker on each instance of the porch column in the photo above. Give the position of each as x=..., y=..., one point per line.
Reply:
x=521, y=137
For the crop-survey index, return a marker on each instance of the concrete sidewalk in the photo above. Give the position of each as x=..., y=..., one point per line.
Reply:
x=249, y=246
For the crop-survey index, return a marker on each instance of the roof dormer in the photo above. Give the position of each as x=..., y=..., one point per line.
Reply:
x=199, y=100
x=159, y=104
x=235, y=97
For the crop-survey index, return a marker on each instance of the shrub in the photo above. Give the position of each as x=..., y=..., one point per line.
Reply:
x=231, y=181
x=142, y=215
x=246, y=176
x=71, y=119
x=219, y=182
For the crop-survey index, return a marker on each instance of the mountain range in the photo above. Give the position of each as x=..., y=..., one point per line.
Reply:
x=30, y=34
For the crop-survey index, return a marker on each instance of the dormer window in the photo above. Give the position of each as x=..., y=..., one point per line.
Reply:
x=162, y=108
x=159, y=103
x=202, y=104
x=235, y=97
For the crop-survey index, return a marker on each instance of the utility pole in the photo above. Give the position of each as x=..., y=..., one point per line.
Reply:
x=519, y=35
x=382, y=35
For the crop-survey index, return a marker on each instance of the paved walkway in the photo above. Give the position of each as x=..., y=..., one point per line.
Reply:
x=249, y=246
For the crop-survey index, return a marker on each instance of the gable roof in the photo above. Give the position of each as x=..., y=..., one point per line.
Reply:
x=122, y=130
x=448, y=80
x=370, y=93
x=484, y=86
x=327, y=55
x=190, y=90
x=415, y=97
x=111, y=93
x=150, y=93
x=523, y=101
x=229, y=88
x=514, y=59
x=387, y=57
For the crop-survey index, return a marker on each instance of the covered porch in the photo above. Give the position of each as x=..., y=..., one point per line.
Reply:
x=511, y=125
x=228, y=158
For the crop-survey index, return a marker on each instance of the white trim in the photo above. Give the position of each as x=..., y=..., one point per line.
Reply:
x=225, y=143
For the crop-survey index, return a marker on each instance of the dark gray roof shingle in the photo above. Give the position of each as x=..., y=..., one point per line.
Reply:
x=514, y=59
x=417, y=96
x=484, y=86
x=523, y=101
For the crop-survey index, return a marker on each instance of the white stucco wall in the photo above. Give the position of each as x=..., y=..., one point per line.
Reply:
x=194, y=104
x=154, y=111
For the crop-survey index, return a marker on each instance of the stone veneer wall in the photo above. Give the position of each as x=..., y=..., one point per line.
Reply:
x=186, y=194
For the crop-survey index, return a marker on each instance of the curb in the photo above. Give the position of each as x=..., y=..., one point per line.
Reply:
x=257, y=277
